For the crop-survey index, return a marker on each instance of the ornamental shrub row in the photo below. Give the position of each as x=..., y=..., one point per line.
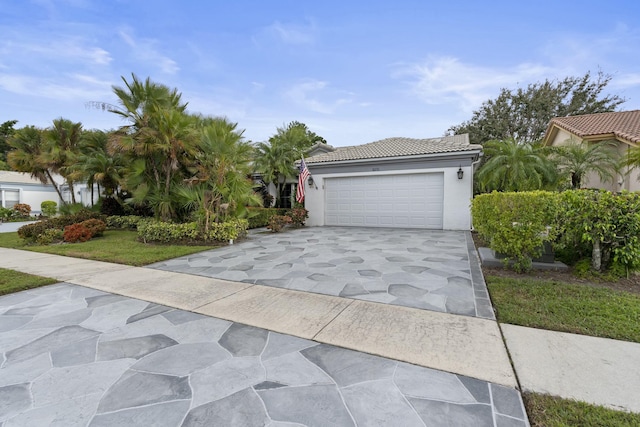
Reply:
x=581, y=223
x=165, y=232
x=83, y=231
x=31, y=232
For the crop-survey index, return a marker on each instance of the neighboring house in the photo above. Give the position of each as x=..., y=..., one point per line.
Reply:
x=395, y=182
x=18, y=187
x=622, y=128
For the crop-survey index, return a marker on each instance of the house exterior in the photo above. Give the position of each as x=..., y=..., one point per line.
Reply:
x=622, y=128
x=394, y=182
x=18, y=187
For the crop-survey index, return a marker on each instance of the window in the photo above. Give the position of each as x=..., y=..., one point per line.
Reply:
x=9, y=197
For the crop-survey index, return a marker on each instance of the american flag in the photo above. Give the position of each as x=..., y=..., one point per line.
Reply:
x=304, y=174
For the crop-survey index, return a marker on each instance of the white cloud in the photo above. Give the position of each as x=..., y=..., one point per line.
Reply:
x=442, y=80
x=145, y=50
x=70, y=49
x=68, y=87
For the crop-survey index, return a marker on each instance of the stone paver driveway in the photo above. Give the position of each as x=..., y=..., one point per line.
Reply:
x=74, y=356
x=432, y=270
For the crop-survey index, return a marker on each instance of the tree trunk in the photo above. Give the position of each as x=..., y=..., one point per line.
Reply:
x=55, y=186
x=596, y=255
x=73, y=192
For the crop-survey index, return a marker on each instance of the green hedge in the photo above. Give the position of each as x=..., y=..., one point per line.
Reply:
x=259, y=217
x=166, y=232
x=516, y=224
x=583, y=223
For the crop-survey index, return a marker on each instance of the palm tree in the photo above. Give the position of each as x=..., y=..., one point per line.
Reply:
x=221, y=186
x=275, y=160
x=97, y=166
x=62, y=148
x=159, y=143
x=515, y=167
x=26, y=155
x=576, y=160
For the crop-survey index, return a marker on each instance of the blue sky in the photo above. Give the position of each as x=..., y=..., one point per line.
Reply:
x=353, y=71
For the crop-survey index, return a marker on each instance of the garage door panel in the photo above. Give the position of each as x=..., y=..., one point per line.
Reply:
x=414, y=200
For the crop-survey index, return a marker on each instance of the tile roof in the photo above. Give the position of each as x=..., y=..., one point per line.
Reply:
x=623, y=125
x=397, y=147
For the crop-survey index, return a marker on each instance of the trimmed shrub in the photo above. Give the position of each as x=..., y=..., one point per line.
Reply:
x=298, y=216
x=49, y=208
x=166, y=232
x=127, y=222
x=22, y=210
x=259, y=217
x=76, y=233
x=516, y=224
x=5, y=213
x=52, y=235
x=278, y=222
x=96, y=226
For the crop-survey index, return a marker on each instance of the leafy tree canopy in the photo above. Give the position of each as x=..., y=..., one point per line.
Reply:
x=6, y=130
x=524, y=113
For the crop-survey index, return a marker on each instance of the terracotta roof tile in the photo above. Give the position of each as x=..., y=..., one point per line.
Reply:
x=624, y=125
x=397, y=147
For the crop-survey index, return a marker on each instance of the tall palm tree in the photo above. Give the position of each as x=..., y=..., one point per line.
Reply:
x=275, y=162
x=515, y=167
x=26, y=156
x=159, y=143
x=576, y=160
x=62, y=148
x=221, y=186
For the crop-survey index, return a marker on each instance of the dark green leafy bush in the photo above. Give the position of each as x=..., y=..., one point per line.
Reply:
x=127, y=222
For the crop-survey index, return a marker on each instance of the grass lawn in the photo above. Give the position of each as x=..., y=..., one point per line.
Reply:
x=558, y=306
x=118, y=246
x=14, y=281
x=549, y=411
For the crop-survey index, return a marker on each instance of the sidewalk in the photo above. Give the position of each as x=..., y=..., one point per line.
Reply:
x=595, y=370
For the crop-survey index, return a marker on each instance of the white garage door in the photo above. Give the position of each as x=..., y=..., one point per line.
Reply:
x=411, y=201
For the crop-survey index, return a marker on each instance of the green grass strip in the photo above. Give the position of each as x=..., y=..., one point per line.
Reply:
x=549, y=411
x=579, y=309
x=118, y=246
x=14, y=281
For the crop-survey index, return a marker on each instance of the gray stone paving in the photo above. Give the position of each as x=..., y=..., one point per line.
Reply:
x=75, y=356
x=426, y=269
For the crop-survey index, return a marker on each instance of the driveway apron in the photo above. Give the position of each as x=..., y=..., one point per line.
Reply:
x=425, y=269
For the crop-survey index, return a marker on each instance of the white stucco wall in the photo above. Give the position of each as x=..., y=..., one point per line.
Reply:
x=32, y=196
x=456, y=203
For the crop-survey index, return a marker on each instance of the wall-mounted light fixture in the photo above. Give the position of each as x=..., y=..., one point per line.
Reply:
x=460, y=172
x=310, y=181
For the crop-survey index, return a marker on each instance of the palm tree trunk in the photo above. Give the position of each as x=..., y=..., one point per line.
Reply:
x=73, y=193
x=55, y=186
x=596, y=255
